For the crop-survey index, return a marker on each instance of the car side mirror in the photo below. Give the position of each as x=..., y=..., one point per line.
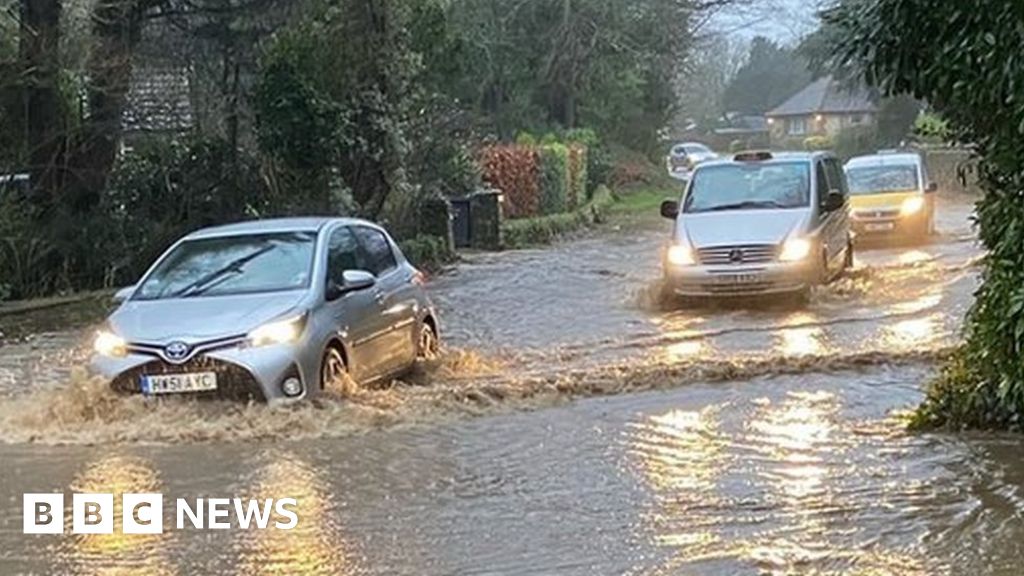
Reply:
x=834, y=201
x=670, y=209
x=932, y=187
x=124, y=293
x=351, y=281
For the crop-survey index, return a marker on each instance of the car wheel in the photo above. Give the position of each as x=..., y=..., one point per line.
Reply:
x=428, y=345
x=334, y=371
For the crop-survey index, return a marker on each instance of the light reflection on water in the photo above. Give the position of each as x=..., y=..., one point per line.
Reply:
x=117, y=553
x=760, y=484
x=315, y=546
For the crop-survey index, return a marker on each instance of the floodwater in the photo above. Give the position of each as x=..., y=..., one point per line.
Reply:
x=573, y=428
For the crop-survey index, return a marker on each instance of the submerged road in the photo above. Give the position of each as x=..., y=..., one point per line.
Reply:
x=575, y=428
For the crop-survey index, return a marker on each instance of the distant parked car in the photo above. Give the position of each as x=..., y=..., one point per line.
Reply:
x=891, y=195
x=13, y=182
x=269, y=310
x=683, y=158
x=759, y=224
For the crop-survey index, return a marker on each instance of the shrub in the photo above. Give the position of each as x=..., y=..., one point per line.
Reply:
x=577, y=176
x=554, y=178
x=599, y=159
x=428, y=253
x=855, y=141
x=544, y=229
x=817, y=143
x=737, y=146
x=514, y=171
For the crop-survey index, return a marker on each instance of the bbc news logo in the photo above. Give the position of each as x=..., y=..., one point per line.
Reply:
x=144, y=513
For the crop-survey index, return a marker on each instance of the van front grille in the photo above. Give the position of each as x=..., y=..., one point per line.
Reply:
x=738, y=255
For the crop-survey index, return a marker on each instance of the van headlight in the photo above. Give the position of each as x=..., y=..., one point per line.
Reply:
x=912, y=206
x=279, y=331
x=795, y=249
x=109, y=344
x=679, y=255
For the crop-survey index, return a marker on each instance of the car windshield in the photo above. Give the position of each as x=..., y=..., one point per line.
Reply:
x=878, y=179
x=233, y=265
x=750, y=186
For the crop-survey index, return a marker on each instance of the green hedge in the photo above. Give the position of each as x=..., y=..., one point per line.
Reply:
x=429, y=253
x=544, y=229
x=554, y=178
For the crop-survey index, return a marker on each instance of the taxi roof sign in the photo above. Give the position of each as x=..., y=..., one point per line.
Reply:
x=753, y=156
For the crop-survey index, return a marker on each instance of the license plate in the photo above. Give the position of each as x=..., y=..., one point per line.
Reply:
x=734, y=279
x=882, y=227
x=179, y=383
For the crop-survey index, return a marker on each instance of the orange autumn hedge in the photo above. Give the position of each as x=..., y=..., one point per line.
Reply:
x=515, y=170
x=519, y=171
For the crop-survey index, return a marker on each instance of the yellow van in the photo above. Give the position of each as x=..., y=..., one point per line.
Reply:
x=891, y=195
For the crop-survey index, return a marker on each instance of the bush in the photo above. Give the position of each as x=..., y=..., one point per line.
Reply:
x=428, y=253
x=514, y=170
x=577, y=176
x=599, y=158
x=554, y=178
x=544, y=229
x=162, y=190
x=818, y=143
x=855, y=141
x=738, y=146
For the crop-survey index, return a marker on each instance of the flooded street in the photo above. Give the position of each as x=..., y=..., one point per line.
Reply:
x=573, y=428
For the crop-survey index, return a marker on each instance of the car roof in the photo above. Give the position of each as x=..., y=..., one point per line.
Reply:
x=5, y=178
x=777, y=157
x=894, y=159
x=272, y=225
x=682, y=144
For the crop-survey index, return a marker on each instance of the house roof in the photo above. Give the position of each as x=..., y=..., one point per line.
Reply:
x=825, y=95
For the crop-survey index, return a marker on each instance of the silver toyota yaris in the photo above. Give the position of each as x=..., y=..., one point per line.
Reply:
x=269, y=310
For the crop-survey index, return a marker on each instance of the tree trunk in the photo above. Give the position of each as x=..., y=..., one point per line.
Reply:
x=40, y=58
x=116, y=28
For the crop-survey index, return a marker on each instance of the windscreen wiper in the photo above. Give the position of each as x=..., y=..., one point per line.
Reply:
x=233, y=267
x=746, y=204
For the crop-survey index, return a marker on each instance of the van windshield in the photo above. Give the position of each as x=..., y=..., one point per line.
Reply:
x=776, y=185
x=880, y=179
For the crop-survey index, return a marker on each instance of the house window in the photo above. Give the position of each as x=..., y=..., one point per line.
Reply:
x=797, y=126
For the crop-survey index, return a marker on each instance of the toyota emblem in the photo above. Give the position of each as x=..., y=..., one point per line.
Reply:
x=176, y=351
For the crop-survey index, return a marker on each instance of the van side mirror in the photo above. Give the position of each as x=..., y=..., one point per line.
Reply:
x=834, y=201
x=670, y=209
x=932, y=187
x=351, y=281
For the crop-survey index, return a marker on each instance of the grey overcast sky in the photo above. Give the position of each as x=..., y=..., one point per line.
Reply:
x=785, y=21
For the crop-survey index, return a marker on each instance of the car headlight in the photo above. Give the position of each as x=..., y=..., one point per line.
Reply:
x=109, y=344
x=795, y=249
x=912, y=206
x=680, y=255
x=278, y=332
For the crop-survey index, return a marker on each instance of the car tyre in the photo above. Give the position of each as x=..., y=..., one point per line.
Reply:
x=428, y=345
x=334, y=375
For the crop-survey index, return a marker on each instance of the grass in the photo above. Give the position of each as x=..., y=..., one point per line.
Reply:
x=639, y=205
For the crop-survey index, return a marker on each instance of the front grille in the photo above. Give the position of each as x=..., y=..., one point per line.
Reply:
x=738, y=255
x=884, y=214
x=233, y=381
x=740, y=289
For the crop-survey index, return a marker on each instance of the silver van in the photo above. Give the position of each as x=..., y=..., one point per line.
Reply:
x=758, y=224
